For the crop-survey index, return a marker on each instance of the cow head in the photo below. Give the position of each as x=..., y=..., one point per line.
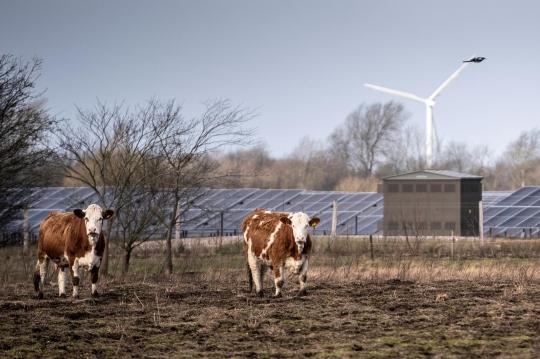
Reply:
x=300, y=224
x=93, y=219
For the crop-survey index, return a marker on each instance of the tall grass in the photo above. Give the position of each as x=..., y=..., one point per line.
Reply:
x=348, y=259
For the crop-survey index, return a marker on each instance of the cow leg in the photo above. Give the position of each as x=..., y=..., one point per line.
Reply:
x=94, y=274
x=278, y=279
x=74, y=268
x=39, y=276
x=62, y=277
x=257, y=272
x=302, y=278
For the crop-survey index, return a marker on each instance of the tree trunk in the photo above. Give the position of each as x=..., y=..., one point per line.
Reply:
x=127, y=257
x=104, y=269
x=174, y=222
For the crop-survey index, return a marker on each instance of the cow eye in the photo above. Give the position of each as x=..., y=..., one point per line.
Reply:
x=86, y=219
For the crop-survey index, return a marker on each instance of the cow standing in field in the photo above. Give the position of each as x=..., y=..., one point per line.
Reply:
x=278, y=241
x=71, y=240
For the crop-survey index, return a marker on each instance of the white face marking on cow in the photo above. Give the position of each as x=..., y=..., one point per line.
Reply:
x=93, y=220
x=300, y=224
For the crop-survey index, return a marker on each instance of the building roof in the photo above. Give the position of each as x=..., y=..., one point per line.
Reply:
x=433, y=175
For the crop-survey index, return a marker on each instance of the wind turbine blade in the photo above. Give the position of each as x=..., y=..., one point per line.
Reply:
x=395, y=92
x=449, y=80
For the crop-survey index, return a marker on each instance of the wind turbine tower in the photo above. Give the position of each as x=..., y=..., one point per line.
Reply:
x=431, y=132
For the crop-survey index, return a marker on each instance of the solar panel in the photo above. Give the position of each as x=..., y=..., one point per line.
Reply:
x=516, y=196
x=504, y=211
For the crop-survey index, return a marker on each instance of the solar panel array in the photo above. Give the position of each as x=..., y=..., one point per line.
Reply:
x=505, y=213
x=516, y=215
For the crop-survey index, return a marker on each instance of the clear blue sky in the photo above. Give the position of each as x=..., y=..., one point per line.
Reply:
x=302, y=63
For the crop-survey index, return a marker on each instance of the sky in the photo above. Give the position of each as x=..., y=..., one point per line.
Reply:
x=301, y=64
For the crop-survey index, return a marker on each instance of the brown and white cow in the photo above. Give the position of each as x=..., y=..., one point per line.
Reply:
x=71, y=240
x=278, y=241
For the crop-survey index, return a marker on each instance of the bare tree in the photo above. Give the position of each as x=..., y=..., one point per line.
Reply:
x=458, y=157
x=140, y=221
x=406, y=154
x=111, y=152
x=24, y=127
x=254, y=166
x=189, y=148
x=522, y=158
x=367, y=134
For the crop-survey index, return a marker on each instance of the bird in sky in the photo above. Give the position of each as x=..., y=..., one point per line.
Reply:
x=476, y=59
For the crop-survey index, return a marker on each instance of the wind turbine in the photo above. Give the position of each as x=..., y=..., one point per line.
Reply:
x=431, y=132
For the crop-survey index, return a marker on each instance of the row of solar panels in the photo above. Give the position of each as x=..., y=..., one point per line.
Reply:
x=220, y=211
x=515, y=215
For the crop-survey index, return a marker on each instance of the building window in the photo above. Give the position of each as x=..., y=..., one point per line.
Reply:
x=407, y=188
x=435, y=188
x=393, y=225
x=422, y=226
x=449, y=188
x=408, y=225
x=450, y=226
x=436, y=226
x=421, y=188
x=393, y=188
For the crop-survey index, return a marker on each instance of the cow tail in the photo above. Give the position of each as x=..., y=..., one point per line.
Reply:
x=250, y=277
x=37, y=279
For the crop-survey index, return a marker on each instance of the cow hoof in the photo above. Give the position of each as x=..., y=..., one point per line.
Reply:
x=95, y=294
x=279, y=295
x=302, y=293
x=63, y=295
x=40, y=296
x=259, y=294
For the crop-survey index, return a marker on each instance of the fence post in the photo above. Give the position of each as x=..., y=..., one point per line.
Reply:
x=334, y=224
x=371, y=247
x=453, y=240
x=481, y=223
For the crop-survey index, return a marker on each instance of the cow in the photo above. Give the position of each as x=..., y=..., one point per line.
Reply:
x=71, y=240
x=277, y=241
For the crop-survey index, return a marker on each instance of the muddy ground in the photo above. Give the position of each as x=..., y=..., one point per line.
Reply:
x=191, y=318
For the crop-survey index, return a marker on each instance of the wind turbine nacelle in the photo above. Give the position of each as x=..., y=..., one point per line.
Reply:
x=429, y=102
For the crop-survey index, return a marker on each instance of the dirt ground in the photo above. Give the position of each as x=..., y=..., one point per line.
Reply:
x=193, y=318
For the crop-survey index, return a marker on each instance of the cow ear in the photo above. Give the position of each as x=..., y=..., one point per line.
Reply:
x=286, y=220
x=79, y=213
x=314, y=221
x=108, y=214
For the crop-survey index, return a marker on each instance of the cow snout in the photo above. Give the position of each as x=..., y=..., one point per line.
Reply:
x=300, y=240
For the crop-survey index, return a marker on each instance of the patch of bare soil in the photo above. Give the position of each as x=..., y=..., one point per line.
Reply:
x=182, y=318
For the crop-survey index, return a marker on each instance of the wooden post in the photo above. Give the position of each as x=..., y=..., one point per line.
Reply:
x=371, y=247
x=334, y=224
x=481, y=222
x=453, y=240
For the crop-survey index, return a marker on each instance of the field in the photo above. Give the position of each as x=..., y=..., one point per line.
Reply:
x=411, y=301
